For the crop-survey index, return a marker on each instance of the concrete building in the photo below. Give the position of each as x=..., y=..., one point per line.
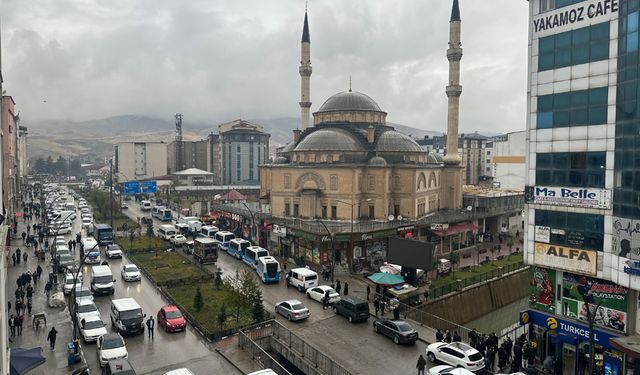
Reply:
x=9, y=164
x=583, y=182
x=509, y=160
x=243, y=146
x=193, y=177
x=22, y=156
x=140, y=160
x=204, y=154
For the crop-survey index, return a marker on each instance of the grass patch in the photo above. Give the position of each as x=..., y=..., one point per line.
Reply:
x=166, y=267
x=475, y=272
x=141, y=243
x=213, y=300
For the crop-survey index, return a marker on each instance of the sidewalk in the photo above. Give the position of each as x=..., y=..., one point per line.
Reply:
x=56, y=360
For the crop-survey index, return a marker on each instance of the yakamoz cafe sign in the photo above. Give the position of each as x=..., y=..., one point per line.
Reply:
x=563, y=196
x=565, y=258
x=582, y=13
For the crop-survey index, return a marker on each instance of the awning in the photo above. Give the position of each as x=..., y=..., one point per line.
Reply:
x=455, y=229
x=629, y=345
x=24, y=360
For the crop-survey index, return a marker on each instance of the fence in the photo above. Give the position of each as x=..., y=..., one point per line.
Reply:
x=454, y=286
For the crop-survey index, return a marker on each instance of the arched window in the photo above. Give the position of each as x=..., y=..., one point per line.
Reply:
x=432, y=180
x=422, y=181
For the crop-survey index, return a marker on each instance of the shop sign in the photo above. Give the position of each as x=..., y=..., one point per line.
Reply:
x=571, y=197
x=441, y=227
x=542, y=288
x=632, y=267
x=279, y=231
x=306, y=236
x=567, y=327
x=582, y=14
x=565, y=258
x=405, y=228
x=542, y=234
x=232, y=216
x=610, y=298
x=384, y=234
x=626, y=238
x=342, y=238
x=325, y=239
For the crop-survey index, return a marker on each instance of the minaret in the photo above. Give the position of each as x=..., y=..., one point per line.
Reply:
x=305, y=75
x=454, y=89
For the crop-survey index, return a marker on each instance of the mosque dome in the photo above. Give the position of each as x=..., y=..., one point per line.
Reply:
x=392, y=141
x=377, y=161
x=349, y=101
x=280, y=160
x=330, y=139
x=435, y=158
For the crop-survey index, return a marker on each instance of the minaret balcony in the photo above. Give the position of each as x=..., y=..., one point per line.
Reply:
x=305, y=70
x=454, y=54
x=454, y=90
x=305, y=104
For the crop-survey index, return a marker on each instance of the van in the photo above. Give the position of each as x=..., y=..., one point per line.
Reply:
x=182, y=228
x=355, y=309
x=90, y=245
x=209, y=231
x=223, y=238
x=145, y=205
x=166, y=231
x=120, y=366
x=101, y=280
x=126, y=316
x=302, y=278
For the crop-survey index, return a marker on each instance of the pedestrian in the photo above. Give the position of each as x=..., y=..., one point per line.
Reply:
x=19, y=322
x=447, y=337
x=396, y=313
x=24, y=235
x=12, y=325
x=19, y=306
x=39, y=270
x=8, y=306
x=439, y=335
x=491, y=357
x=502, y=357
x=383, y=305
x=150, y=324
x=525, y=355
x=13, y=257
x=368, y=291
x=47, y=288
x=346, y=288
x=421, y=365
x=18, y=255
x=456, y=337
x=376, y=304
x=51, y=337
x=284, y=265
x=325, y=300
x=338, y=286
x=25, y=255
x=29, y=306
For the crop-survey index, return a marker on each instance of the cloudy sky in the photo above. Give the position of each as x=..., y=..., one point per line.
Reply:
x=222, y=59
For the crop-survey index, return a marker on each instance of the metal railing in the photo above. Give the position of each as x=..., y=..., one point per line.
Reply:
x=264, y=359
x=454, y=286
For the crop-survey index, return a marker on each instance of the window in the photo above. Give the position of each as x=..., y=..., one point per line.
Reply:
x=575, y=108
x=571, y=169
x=287, y=209
x=324, y=212
x=372, y=212
x=574, y=47
x=334, y=182
x=287, y=181
x=546, y=5
x=583, y=231
x=396, y=210
x=334, y=212
x=371, y=182
x=396, y=181
x=296, y=209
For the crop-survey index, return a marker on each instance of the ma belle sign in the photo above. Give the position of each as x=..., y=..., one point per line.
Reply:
x=571, y=197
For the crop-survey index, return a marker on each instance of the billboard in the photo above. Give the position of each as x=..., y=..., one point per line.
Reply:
x=565, y=196
x=565, y=258
x=626, y=238
x=542, y=295
x=410, y=253
x=612, y=298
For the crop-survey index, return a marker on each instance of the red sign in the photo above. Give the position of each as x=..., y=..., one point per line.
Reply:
x=325, y=257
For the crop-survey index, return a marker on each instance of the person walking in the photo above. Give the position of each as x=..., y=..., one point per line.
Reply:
x=422, y=363
x=47, y=288
x=491, y=358
x=368, y=291
x=346, y=288
x=376, y=304
x=29, y=306
x=439, y=336
x=25, y=256
x=325, y=300
x=338, y=286
x=13, y=257
x=150, y=325
x=447, y=337
x=12, y=325
x=18, y=253
x=51, y=337
x=19, y=322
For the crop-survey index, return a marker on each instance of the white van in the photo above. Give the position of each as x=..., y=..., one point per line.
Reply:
x=127, y=316
x=101, y=280
x=166, y=231
x=209, y=231
x=187, y=219
x=145, y=205
x=302, y=278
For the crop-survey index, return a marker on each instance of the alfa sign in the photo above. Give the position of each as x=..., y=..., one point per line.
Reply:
x=565, y=258
x=582, y=14
x=572, y=197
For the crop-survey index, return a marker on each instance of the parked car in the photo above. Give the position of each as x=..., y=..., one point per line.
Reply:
x=92, y=328
x=69, y=284
x=82, y=293
x=114, y=251
x=111, y=346
x=317, y=294
x=120, y=366
x=397, y=330
x=179, y=371
x=355, y=309
x=292, y=309
x=457, y=354
x=130, y=272
x=178, y=240
x=86, y=308
x=448, y=370
x=124, y=205
x=170, y=317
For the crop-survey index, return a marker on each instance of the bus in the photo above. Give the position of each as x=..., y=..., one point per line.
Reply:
x=268, y=269
x=237, y=247
x=252, y=253
x=161, y=213
x=166, y=231
x=182, y=228
x=205, y=250
x=223, y=238
x=154, y=210
x=209, y=231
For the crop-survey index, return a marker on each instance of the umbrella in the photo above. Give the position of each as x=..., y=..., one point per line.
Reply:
x=386, y=279
x=23, y=360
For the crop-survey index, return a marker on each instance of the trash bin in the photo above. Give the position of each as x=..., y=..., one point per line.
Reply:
x=73, y=352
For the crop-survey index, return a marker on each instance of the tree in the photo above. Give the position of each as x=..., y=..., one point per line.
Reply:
x=218, y=280
x=150, y=229
x=39, y=166
x=222, y=316
x=61, y=166
x=257, y=310
x=49, y=165
x=198, y=303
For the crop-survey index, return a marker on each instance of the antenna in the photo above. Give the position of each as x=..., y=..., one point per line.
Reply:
x=349, y=83
x=305, y=5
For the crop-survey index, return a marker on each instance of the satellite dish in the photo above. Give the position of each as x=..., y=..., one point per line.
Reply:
x=391, y=217
x=399, y=217
x=469, y=208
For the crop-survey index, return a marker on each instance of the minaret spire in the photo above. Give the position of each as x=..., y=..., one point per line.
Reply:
x=454, y=89
x=305, y=74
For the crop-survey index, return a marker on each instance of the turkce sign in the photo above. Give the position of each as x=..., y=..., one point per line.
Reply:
x=565, y=258
x=584, y=12
x=572, y=197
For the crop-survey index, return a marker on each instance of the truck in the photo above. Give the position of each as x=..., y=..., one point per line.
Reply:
x=205, y=250
x=103, y=234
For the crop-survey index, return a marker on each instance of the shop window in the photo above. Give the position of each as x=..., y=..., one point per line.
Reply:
x=287, y=209
x=372, y=212
x=296, y=209
x=334, y=212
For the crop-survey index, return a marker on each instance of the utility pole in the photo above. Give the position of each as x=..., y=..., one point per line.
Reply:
x=111, y=190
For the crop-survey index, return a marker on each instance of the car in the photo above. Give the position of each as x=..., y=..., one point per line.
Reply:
x=111, y=346
x=69, y=284
x=83, y=293
x=354, y=308
x=317, y=294
x=178, y=240
x=170, y=317
x=188, y=247
x=92, y=328
x=457, y=354
x=448, y=370
x=130, y=272
x=124, y=206
x=63, y=261
x=86, y=308
x=292, y=310
x=64, y=228
x=179, y=371
x=397, y=330
x=114, y=251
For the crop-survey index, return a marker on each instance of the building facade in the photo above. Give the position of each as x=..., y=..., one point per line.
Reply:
x=581, y=218
x=9, y=161
x=509, y=160
x=22, y=155
x=140, y=160
x=243, y=147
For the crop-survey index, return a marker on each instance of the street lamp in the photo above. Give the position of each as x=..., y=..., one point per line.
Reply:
x=587, y=296
x=75, y=281
x=333, y=249
x=253, y=223
x=352, y=205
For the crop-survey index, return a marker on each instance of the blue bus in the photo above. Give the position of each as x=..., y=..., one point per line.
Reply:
x=223, y=238
x=237, y=247
x=252, y=253
x=268, y=269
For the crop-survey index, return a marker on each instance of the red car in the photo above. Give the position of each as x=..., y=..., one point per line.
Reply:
x=170, y=317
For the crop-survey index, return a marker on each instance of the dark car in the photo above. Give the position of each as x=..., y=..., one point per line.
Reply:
x=398, y=330
x=120, y=366
x=355, y=309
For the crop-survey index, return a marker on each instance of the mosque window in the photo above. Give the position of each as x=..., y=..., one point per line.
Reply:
x=287, y=181
x=334, y=182
x=396, y=181
x=371, y=182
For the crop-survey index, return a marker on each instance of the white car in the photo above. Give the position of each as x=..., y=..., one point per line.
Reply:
x=69, y=285
x=448, y=370
x=319, y=291
x=130, y=272
x=92, y=328
x=83, y=293
x=111, y=346
x=178, y=240
x=457, y=354
x=114, y=251
x=86, y=308
x=292, y=310
x=179, y=371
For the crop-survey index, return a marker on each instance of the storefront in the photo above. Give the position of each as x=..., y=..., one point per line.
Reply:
x=453, y=237
x=568, y=342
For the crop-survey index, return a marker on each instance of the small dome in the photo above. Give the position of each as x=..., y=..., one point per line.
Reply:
x=288, y=147
x=330, y=139
x=280, y=160
x=434, y=158
x=377, y=161
x=392, y=141
x=349, y=101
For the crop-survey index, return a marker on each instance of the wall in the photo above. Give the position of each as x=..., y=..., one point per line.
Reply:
x=509, y=160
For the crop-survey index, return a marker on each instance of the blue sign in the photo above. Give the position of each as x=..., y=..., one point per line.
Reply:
x=131, y=187
x=149, y=187
x=566, y=327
